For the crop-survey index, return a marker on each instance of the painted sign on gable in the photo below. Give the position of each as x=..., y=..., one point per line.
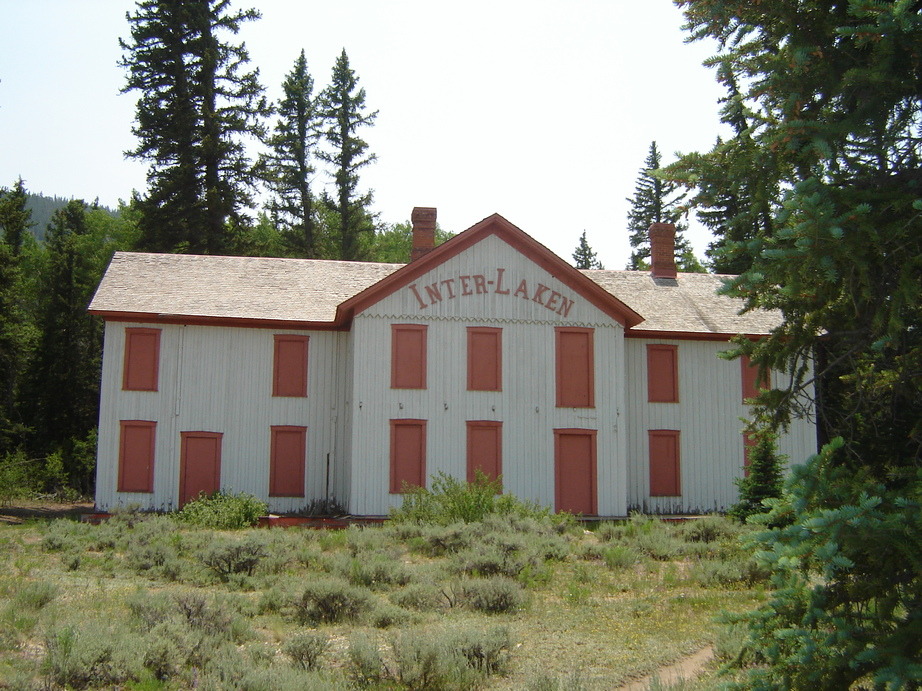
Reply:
x=494, y=281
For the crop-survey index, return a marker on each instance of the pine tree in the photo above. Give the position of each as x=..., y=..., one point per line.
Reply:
x=656, y=201
x=344, y=114
x=832, y=98
x=15, y=217
x=735, y=204
x=16, y=329
x=584, y=257
x=195, y=108
x=289, y=168
x=764, y=479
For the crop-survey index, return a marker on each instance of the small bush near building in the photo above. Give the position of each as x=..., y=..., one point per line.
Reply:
x=221, y=511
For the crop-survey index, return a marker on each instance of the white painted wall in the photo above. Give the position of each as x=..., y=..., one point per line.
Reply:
x=709, y=416
x=219, y=379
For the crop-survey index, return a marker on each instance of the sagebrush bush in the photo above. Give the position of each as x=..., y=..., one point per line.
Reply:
x=306, y=648
x=426, y=662
x=366, y=665
x=620, y=556
x=486, y=650
x=423, y=597
x=222, y=511
x=329, y=601
x=495, y=595
x=78, y=659
x=226, y=557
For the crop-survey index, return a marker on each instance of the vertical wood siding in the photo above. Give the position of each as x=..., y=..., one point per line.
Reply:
x=219, y=379
x=708, y=416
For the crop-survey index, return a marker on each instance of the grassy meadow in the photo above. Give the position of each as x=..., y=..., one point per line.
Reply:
x=517, y=600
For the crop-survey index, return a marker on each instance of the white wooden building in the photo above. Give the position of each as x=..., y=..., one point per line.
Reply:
x=309, y=383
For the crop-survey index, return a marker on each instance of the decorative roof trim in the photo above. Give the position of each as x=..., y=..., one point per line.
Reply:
x=518, y=240
x=689, y=335
x=236, y=322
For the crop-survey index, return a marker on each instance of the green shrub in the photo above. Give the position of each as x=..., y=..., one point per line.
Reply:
x=620, y=556
x=452, y=501
x=329, y=601
x=17, y=477
x=495, y=595
x=35, y=595
x=305, y=649
x=221, y=511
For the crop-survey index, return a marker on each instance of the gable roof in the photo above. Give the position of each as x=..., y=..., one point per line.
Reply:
x=324, y=294
x=516, y=238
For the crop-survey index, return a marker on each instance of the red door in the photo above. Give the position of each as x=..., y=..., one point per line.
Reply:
x=199, y=464
x=575, y=471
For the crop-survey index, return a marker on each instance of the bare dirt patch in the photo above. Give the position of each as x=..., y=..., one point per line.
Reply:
x=22, y=510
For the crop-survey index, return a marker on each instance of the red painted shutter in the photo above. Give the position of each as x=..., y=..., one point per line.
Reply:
x=484, y=448
x=665, y=479
x=752, y=384
x=286, y=461
x=289, y=371
x=408, y=454
x=575, y=368
x=142, y=360
x=408, y=356
x=662, y=373
x=136, y=456
x=575, y=471
x=484, y=359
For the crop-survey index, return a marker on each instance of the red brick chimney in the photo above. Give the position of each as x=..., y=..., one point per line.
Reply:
x=662, y=250
x=423, y=218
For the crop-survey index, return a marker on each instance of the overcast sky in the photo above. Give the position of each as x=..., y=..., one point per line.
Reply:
x=540, y=110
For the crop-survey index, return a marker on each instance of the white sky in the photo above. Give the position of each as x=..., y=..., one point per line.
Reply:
x=540, y=110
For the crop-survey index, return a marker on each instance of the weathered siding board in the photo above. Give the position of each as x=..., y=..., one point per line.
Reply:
x=526, y=404
x=709, y=417
x=218, y=379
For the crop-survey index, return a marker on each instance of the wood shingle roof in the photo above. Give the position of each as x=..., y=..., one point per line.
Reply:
x=307, y=292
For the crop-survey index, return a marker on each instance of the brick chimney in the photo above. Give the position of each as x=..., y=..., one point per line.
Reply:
x=662, y=250
x=423, y=219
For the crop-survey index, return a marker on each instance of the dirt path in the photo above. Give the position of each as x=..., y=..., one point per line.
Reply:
x=686, y=668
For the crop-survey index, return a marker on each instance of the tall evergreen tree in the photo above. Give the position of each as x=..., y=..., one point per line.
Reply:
x=584, y=257
x=15, y=216
x=195, y=107
x=289, y=167
x=16, y=332
x=656, y=201
x=735, y=204
x=345, y=114
x=832, y=92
